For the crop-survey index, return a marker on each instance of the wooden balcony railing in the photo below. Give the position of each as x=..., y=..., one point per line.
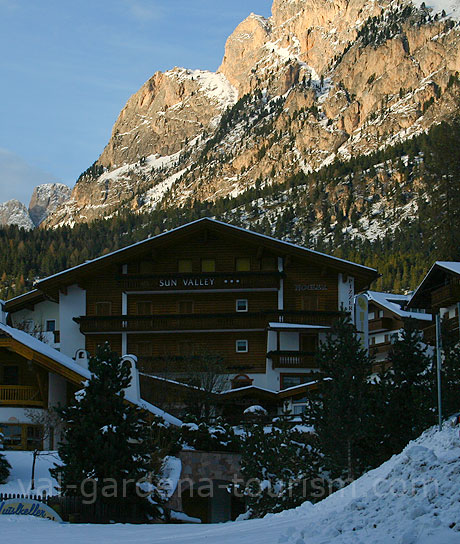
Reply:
x=445, y=296
x=201, y=281
x=20, y=395
x=178, y=322
x=381, y=324
x=292, y=359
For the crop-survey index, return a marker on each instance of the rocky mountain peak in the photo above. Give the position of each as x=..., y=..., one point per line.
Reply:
x=14, y=212
x=317, y=81
x=46, y=199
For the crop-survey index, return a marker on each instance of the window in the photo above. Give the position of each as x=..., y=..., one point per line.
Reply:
x=186, y=307
x=208, y=265
x=373, y=341
x=371, y=315
x=146, y=267
x=142, y=349
x=268, y=263
x=34, y=438
x=242, y=305
x=184, y=265
x=242, y=346
x=144, y=307
x=291, y=380
x=10, y=375
x=243, y=264
x=310, y=303
x=380, y=313
x=12, y=436
x=103, y=308
x=50, y=325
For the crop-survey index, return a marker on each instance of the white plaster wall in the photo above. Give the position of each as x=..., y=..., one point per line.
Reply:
x=72, y=304
x=289, y=341
x=347, y=294
x=18, y=415
x=42, y=312
x=57, y=390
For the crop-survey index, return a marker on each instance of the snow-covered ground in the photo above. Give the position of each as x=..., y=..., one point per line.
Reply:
x=414, y=498
x=19, y=481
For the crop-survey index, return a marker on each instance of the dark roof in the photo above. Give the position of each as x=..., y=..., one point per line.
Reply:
x=25, y=300
x=67, y=277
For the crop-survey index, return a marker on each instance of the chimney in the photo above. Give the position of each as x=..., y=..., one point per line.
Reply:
x=81, y=357
x=133, y=391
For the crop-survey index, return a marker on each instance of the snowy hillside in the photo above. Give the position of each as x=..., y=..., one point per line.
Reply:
x=414, y=498
x=451, y=7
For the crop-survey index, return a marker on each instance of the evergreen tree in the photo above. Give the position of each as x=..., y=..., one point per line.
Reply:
x=450, y=370
x=407, y=390
x=342, y=414
x=5, y=467
x=106, y=446
x=278, y=465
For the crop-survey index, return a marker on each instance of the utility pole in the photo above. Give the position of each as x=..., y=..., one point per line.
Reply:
x=438, y=366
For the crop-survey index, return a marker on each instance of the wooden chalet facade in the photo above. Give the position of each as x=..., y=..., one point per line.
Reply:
x=256, y=305
x=439, y=292
x=386, y=315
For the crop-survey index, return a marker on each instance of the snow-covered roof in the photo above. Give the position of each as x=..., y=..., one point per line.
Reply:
x=393, y=303
x=67, y=362
x=215, y=221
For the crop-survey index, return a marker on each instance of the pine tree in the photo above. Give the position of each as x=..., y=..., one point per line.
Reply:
x=450, y=371
x=106, y=440
x=278, y=466
x=342, y=413
x=407, y=390
x=5, y=467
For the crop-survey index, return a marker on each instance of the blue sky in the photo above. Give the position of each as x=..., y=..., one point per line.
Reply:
x=68, y=67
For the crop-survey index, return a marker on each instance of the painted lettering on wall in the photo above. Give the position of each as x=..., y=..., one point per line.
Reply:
x=187, y=282
x=28, y=507
x=310, y=287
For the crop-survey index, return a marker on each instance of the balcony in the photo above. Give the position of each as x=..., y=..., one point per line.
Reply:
x=200, y=282
x=20, y=395
x=445, y=296
x=381, y=324
x=292, y=359
x=195, y=322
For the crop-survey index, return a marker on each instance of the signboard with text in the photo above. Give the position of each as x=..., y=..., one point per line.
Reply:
x=28, y=507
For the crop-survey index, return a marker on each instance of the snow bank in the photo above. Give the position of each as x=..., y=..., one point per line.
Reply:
x=414, y=498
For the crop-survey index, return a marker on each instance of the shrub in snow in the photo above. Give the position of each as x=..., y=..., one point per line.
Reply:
x=279, y=464
x=4, y=465
x=106, y=439
x=200, y=435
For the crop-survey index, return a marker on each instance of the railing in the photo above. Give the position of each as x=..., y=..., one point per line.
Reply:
x=292, y=359
x=241, y=320
x=382, y=347
x=383, y=323
x=20, y=395
x=445, y=295
x=201, y=281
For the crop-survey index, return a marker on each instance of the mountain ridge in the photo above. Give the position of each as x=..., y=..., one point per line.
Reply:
x=315, y=82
